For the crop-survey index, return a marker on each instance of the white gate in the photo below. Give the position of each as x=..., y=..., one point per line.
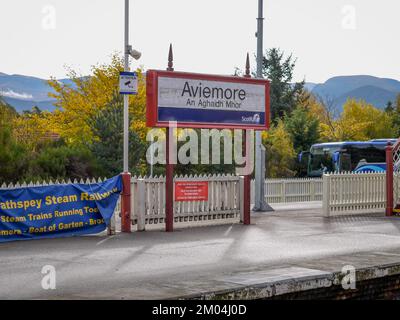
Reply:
x=348, y=193
x=224, y=201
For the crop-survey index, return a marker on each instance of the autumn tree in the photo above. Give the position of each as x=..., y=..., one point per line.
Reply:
x=78, y=102
x=280, y=153
x=7, y=113
x=284, y=94
x=31, y=128
x=358, y=121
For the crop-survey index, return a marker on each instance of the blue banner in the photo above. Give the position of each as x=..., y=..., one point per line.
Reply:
x=57, y=210
x=211, y=116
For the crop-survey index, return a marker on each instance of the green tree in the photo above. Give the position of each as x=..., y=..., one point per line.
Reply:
x=285, y=95
x=205, y=169
x=7, y=112
x=12, y=157
x=60, y=161
x=397, y=102
x=107, y=147
x=389, y=107
x=393, y=110
x=303, y=128
x=34, y=111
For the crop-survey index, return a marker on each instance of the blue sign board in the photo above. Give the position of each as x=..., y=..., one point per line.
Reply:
x=57, y=210
x=128, y=83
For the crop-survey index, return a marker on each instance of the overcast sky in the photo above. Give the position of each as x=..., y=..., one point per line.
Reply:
x=329, y=37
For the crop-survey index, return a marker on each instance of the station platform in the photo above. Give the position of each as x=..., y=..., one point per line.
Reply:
x=281, y=254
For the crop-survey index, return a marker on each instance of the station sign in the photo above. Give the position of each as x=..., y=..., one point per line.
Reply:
x=207, y=101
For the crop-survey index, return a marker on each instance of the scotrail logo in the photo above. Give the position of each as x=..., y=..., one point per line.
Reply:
x=254, y=119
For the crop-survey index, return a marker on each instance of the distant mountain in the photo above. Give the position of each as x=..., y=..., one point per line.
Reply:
x=374, y=95
x=24, y=92
x=374, y=90
x=22, y=105
x=310, y=86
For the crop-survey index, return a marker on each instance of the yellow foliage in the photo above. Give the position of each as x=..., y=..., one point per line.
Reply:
x=280, y=151
x=77, y=104
x=358, y=121
x=30, y=129
x=7, y=114
x=362, y=121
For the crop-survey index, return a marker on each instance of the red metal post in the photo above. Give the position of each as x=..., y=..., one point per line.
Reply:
x=126, y=203
x=169, y=168
x=247, y=150
x=246, y=196
x=169, y=188
x=389, y=181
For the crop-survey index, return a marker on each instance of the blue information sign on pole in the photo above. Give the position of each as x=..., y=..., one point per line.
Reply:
x=128, y=83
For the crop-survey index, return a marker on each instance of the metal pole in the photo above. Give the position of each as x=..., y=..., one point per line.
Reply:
x=260, y=33
x=126, y=97
x=389, y=180
x=151, y=164
x=126, y=176
x=259, y=184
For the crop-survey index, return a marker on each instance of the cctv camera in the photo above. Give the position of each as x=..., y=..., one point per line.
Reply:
x=135, y=54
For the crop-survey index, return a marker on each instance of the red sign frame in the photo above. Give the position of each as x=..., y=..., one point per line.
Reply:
x=191, y=191
x=152, y=100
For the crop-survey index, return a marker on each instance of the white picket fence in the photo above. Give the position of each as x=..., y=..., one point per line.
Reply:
x=223, y=205
x=341, y=194
x=349, y=193
x=224, y=199
x=25, y=184
x=291, y=190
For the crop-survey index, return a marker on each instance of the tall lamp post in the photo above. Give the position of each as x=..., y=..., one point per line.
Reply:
x=260, y=203
x=126, y=176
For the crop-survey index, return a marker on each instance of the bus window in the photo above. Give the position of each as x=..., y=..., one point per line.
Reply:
x=368, y=155
x=351, y=156
x=345, y=162
x=321, y=161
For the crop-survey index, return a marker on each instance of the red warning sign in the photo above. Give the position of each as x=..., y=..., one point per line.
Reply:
x=191, y=191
